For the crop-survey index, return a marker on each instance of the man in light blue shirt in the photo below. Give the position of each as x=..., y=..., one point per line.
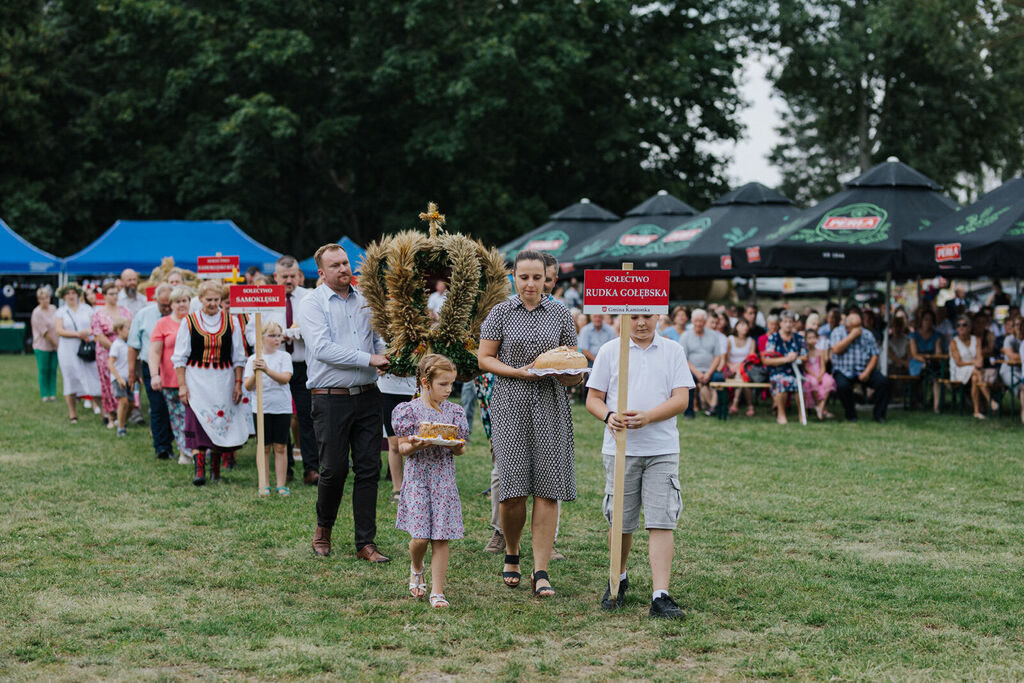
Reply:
x=593, y=336
x=342, y=356
x=138, y=348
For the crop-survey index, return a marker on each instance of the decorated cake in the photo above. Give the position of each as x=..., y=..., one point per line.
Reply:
x=438, y=430
x=562, y=358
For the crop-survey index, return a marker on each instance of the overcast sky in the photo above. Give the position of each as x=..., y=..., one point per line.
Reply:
x=749, y=157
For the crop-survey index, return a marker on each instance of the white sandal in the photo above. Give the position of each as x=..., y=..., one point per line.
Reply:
x=416, y=583
x=438, y=600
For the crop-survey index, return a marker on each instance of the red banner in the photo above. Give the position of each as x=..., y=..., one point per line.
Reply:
x=257, y=298
x=726, y=262
x=216, y=267
x=753, y=254
x=625, y=291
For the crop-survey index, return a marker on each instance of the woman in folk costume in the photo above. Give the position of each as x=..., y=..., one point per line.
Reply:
x=209, y=357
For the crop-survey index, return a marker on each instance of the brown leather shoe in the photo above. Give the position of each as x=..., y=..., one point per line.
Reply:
x=311, y=478
x=370, y=553
x=322, y=541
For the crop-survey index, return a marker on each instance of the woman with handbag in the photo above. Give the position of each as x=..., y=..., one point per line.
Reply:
x=76, y=349
x=103, y=329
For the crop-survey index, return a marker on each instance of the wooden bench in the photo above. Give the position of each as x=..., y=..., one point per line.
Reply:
x=957, y=390
x=908, y=387
x=723, y=394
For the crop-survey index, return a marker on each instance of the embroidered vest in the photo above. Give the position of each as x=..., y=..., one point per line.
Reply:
x=210, y=349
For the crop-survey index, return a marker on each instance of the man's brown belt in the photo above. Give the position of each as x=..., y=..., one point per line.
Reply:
x=343, y=391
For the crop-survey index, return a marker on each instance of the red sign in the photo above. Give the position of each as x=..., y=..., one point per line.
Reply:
x=257, y=298
x=682, y=235
x=947, y=252
x=637, y=240
x=545, y=245
x=216, y=267
x=625, y=291
x=726, y=262
x=753, y=254
x=850, y=223
x=150, y=293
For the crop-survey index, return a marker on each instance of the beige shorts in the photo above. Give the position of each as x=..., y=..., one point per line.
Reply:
x=651, y=482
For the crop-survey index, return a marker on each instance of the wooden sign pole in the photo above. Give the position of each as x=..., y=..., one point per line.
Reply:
x=261, y=454
x=615, y=558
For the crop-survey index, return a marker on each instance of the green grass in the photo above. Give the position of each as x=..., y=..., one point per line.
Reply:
x=835, y=550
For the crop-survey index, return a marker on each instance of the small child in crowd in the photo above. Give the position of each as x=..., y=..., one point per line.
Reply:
x=428, y=503
x=118, y=365
x=277, y=401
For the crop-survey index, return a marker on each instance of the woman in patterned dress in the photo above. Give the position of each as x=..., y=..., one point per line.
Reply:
x=428, y=503
x=531, y=419
x=782, y=349
x=103, y=329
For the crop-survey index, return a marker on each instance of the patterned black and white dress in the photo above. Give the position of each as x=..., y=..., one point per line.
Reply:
x=531, y=421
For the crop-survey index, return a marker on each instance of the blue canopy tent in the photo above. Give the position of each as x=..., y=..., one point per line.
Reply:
x=142, y=244
x=18, y=257
x=356, y=255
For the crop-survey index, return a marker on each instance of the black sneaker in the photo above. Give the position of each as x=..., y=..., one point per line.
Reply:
x=666, y=608
x=163, y=455
x=606, y=599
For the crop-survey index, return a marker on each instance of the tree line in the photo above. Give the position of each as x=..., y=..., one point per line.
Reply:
x=306, y=120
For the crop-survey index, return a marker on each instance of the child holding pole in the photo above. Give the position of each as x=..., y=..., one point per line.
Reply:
x=659, y=384
x=277, y=401
x=117, y=363
x=428, y=503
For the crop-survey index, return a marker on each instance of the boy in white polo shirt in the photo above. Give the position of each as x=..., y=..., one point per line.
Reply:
x=659, y=388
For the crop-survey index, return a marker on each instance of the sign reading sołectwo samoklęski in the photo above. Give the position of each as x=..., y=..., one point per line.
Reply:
x=216, y=267
x=257, y=299
x=625, y=291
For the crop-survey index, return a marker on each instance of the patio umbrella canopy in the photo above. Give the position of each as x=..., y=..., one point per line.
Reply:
x=356, y=254
x=567, y=228
x=985, y=238
x=643, y=224
x=857, y=232
x=701, y=247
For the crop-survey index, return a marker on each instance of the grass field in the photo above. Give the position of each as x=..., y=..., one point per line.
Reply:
x=846, y=551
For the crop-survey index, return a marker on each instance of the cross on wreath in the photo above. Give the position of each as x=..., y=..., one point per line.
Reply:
x=433, y=217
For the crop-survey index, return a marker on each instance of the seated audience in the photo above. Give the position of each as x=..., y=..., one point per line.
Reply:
x=926, y=340
x=703, y=353
x=855, y=359
x=782, y=350
x=741, y=345
x=818, y=384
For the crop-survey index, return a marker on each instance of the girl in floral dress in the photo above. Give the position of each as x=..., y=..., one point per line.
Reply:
x=428, y=504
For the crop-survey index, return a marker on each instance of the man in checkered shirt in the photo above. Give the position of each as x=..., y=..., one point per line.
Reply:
x=855, y=359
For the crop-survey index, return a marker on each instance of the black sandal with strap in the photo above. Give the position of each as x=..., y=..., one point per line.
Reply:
x=511, y=579
x=544, y=591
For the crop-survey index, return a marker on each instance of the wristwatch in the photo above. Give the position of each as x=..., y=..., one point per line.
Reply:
x=607, y=416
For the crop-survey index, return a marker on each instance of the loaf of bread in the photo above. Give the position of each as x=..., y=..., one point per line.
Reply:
x=438, y=430
x=562, y=358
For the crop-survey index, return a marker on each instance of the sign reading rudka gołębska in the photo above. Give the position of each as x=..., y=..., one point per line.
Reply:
x=257, y=298
x=625, y=291
x=216, y=267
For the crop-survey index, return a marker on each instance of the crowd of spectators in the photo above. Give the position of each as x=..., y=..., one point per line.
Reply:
x=961, y=345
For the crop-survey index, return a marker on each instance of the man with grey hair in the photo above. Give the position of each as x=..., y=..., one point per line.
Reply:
x=704, y=355
x=138, y=347
x=288, y=273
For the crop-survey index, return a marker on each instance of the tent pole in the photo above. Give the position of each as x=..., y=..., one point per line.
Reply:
x=884, y=361
x=753, y=289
